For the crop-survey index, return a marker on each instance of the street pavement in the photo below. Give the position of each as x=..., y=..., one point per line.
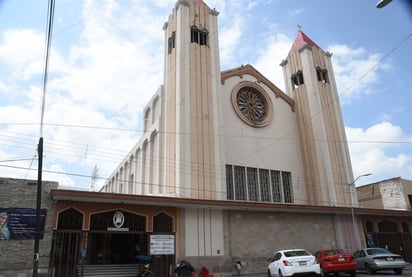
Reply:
x=407, y=272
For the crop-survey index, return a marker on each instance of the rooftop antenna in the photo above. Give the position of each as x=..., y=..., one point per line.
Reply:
x=95, y=177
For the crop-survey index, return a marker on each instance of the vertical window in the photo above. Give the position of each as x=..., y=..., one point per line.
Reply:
x=276, y=189
x=171, y=42
x=264, y=185
x=287, y=189
x=322, y=75
x=229, y=182
x=131, y=182
x=198, y=36
x=297, y=79
x=240, y=183
x=252, y=182
x=202, y=38
x=194, y=36
x=146, y=119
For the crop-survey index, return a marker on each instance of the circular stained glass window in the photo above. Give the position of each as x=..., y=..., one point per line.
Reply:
x=252, y=105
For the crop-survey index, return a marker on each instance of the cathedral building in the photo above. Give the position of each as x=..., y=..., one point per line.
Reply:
x=229, y=167
x=234, y=135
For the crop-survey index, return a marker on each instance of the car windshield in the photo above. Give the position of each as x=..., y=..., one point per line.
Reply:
x=377, y=251
x=334, y=251
x=295, y=253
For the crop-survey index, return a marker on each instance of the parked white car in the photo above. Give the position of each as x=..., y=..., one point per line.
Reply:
x=289, y=262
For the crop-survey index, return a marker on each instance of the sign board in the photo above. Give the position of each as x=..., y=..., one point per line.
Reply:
x=20, y=223
x=162, y=245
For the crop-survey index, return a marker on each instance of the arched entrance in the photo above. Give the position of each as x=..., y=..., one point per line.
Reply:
x=391, y=234
x=113, y=237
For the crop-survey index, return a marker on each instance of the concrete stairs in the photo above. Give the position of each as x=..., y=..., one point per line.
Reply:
x=108, y=270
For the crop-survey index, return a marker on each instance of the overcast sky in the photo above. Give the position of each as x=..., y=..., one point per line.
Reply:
x=106, y=62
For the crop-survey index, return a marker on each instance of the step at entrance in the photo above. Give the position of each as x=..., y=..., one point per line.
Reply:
x=108, y=270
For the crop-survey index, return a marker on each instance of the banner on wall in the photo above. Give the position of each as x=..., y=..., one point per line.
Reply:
x=20, y=223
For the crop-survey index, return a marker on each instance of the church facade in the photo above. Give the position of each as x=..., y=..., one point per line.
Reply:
x=233, y=135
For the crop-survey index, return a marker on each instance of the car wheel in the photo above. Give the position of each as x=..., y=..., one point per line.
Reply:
x=280, y=273
x=398, y=271
x=369, y=270
x=352, y=274
x=269, y=275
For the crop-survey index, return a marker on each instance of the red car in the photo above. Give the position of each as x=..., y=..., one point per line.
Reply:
x=335, y=261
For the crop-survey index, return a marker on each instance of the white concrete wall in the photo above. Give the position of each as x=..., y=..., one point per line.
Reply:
x=275, y=146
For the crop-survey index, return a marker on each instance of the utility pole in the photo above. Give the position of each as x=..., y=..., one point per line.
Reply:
x=38, y=209
x=40, y=145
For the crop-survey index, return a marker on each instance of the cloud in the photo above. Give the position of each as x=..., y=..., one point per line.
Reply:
x=21, y=51
x=270, y=57
x=375, y=150
x=103, y=79
x=355, y=70
x=297, y=12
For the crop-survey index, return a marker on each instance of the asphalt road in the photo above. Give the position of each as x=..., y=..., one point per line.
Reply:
x=407, y=272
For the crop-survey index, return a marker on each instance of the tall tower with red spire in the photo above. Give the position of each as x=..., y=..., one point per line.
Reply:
x=310, y=81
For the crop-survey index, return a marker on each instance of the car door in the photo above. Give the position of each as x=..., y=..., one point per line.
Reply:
x=275, y=263
x=360, y=257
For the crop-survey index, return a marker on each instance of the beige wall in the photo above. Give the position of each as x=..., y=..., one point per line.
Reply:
x=16, y=256
x=253, y=237
x=388, y=194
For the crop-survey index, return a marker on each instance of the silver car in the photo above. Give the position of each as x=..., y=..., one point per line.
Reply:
x=374, y=259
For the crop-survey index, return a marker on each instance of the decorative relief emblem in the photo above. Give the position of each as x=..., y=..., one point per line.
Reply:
x=118, y=219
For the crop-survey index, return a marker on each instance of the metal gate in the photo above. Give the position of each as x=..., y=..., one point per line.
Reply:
x=66, y=252
x=399, y=243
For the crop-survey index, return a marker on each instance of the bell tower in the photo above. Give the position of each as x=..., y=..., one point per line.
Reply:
x=191, y=86
x=310, y=81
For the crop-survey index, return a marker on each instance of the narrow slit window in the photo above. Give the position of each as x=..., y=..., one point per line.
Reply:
x=264, y=185
x=252, y=181
x=171, y=42
x=287, y=186
x=240, y=183
x=229, y=182
x=276, y=189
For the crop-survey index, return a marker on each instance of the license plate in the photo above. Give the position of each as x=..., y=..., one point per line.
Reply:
x=302, y=263
x=389, y=259
x=341, y=259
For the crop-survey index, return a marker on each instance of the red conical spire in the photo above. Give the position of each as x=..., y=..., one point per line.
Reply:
x=300, y=41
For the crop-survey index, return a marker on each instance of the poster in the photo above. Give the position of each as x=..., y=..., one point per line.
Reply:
x=162, y=245
x=20, y=223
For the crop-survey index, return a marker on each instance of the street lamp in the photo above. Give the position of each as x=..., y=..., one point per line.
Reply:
x=352, y=190
x=382, y=3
